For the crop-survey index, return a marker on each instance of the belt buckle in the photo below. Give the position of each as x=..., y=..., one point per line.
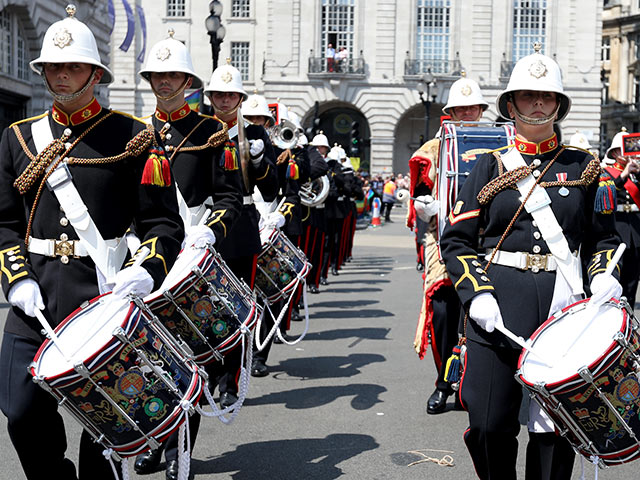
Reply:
x=536, y=262
x=64, y=249
x=626, y=208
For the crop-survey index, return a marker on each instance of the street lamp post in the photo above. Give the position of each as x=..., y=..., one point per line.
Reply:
x=216, y=31
x=426, y=83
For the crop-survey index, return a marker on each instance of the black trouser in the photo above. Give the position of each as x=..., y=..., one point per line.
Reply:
x=446, y=316
x=492, y=397
x=35, y=426
x=386, y=210
x=629, y=273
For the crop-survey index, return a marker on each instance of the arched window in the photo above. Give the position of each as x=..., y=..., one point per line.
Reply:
x=14, y=54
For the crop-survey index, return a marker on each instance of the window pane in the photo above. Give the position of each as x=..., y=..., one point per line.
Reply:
x=6, y=44
x=175, y=8
x=529, y=26
x=240, y=8
x=240, y=58
x=433, y=30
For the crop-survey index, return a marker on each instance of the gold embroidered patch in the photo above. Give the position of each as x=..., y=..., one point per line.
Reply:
x=458, y=207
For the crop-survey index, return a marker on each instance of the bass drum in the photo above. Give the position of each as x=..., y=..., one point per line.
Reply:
x=459, y=148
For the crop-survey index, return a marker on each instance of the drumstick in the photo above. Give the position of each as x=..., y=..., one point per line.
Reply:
x=525, y=344
x=52, y=335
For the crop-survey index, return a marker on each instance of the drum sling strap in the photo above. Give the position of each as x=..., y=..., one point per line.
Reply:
x=108, y=255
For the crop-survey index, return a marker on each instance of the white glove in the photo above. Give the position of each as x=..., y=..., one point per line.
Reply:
x=199, y=236
x=274, y=220
x=485, y=312
x=26, y=296
x=256, y=151
x=426, y=207
x=603, y=287
x=134, y=279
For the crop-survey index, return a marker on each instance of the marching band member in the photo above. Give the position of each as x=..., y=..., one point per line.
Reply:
x=624, y=172
x=198, y=149
x=50, y=259
x=353, y=192
x=531, y=270
x=440, y=310
x=317, y=150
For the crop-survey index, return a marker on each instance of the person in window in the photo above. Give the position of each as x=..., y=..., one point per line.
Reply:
x=330, y=55
x=502, y=291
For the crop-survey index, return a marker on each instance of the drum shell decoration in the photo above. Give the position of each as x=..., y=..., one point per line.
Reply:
x=118, y=371
x=206, y=293
x=280, y=263
x=583, y=406
x=460, y=147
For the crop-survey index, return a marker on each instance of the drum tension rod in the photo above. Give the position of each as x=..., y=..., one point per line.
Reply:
x=211, y=289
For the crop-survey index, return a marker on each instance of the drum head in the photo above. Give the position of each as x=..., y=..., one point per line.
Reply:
x=83, y=334
x=565, y=344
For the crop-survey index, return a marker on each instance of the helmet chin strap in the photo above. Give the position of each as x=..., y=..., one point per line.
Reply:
x=72, y=96
x=534, y=120
x=219, y=111
x=173, y=95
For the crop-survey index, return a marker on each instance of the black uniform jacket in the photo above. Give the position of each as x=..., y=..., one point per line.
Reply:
x=524, y=297
x=111, y=190
x=317, y=168
x=295, y=159
x=199, y=165
x=627, y=222
x=334, y=208
x=244, y=238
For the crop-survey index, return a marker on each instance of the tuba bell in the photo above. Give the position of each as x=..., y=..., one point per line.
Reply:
x=315, y=192
x=284, y=135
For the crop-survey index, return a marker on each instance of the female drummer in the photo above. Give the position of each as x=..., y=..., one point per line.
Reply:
x=532, y=272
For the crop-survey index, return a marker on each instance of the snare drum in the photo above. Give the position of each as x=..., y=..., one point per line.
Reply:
x=280, y=265
x=591, y=391
x=459, y=148
x=123, y=377
x=204, y=305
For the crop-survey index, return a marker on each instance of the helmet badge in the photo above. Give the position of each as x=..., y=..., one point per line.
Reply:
x=226, y=77
x=466, y=90
x=538, y=69
x=163, y=54
x=62, y=38
x=254, y=103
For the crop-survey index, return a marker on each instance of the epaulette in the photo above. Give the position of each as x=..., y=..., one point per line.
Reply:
x=210, y=116
x=573, y=147
x=125, y=114
x=504, y=147
x=37, y=117
x=145, y=118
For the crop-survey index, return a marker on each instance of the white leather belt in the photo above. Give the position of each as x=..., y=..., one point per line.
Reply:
x=341, y=197
x=63, y=248
x=627, y=208
x=247, y=200
x=320, y=206
x=524, y=260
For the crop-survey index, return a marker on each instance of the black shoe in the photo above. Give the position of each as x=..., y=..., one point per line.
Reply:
x=147, y=462
x=334, y=271
x=419, y=267
x=313, y=289
x=296, y=317
x=259, y=369
x=227, y=399
x=437, y=402
x=457, y=405
x=323, y=281
x=348, y=259
x=172, y=470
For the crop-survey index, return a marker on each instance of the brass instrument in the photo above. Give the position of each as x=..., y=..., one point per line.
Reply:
x=284, y=135
x=315, y=192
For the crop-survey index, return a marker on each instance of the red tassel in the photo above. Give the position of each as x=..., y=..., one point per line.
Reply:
x=156, y=170
x=292, y=172
x=166, y=171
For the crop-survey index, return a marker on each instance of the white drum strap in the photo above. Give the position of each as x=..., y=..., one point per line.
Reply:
x=538, y=206
x=191, y=216
x=108, y=256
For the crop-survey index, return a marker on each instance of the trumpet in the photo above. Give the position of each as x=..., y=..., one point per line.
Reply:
x=284, y=135
x=315, y=192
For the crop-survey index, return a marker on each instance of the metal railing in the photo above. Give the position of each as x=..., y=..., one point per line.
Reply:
x=420, y=66
x=347, y=66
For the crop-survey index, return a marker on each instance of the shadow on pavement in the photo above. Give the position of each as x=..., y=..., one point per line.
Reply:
x=327, y=367
x=304, y=458
x=358, y=333
x=345, y=303
x=342, y=314
x=365, y=396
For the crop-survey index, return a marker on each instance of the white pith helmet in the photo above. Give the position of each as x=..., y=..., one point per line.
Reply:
x=295, y=119
x=464, y=92
x=281, y=111
x=170, y=55
x=336, y=153
x=539, y=73
x=580, y=140
x=70, y=41
x=320, y=140
x=256, y=105
x=226, y=78
x=616, y=142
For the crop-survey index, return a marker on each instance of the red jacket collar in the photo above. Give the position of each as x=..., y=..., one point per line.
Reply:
x=178, y=114
x=87, y=112
x=230, y=123
x=530, y=148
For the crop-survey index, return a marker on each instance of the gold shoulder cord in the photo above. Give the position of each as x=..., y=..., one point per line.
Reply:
x=214, y=140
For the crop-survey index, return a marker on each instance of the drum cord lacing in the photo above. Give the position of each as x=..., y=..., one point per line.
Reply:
x=595, y=461
x=107, y=453
x=243, y=383
x=184, y=442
